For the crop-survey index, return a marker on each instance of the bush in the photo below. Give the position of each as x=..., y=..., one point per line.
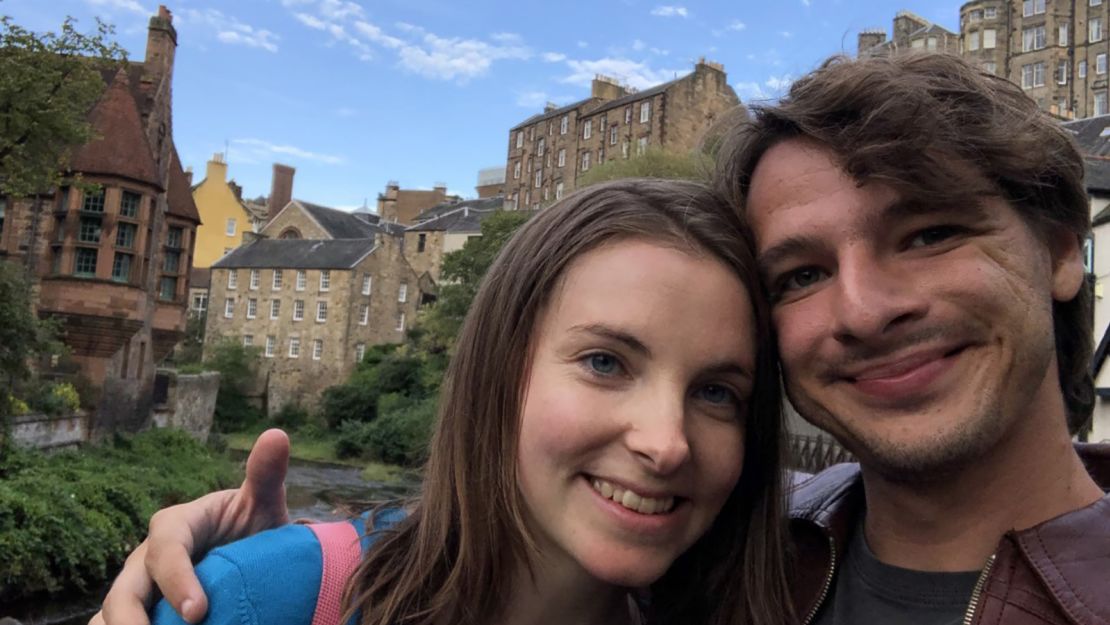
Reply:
x=400, y=436
x=353, y=440
x=52, y=399
x=292, y=416
x=357, y=400
x=68, y=519
x=236, y=364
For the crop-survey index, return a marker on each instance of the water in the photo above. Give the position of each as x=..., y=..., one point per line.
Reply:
x=318, y=491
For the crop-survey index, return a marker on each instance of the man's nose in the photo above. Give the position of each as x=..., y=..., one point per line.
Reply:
x=873, y=296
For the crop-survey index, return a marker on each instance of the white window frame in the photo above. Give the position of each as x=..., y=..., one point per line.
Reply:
x=1032, y=7
x=562, y=157
x=645, y=111
x=233, y=280
x=585, y=161
x=1062, y=72
x=1062, y=32
x=360, y=351
x=275, y=309
x=252, y=307
x=641, y=145
x=248, y=340
x=401, y=322
x=321, y=311
x=613, y=134
x=990, y=67
x=298, y=310
x=229, y=308
x=1082, y=72
x=1100, y=63
x=1094, y=3
x=558, y=190
x=563, y=124
x=255, y=279
x=539, y=179
x=231, y=227
x=317, y=349
x=990, y=38
x=1100, y=103
x=539, y=147
x=366, y=284
x=403, y=293
x=325, y=280
x=363, y=314
x=519, y=138
x=990, y=13
x=301, y=281
x=276, y=283
x=294, y=347
x=516, y=170
x=271, y=346
x=973, y=41
x=587, y=129
x=1094, y=30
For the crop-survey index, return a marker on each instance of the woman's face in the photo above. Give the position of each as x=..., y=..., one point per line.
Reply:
x=632, y=429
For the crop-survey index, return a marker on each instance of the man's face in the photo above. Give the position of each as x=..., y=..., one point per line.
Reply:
x=918, y=336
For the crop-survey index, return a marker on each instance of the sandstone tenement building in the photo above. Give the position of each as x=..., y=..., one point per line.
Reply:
x=444, y=229
x=110, y=258
x=910, y=32
x=549, y=151
x=401, y=206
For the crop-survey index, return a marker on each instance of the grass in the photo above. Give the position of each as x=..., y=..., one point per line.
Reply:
x=320, y=447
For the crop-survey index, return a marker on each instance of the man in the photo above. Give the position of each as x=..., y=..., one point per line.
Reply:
x=919, y=225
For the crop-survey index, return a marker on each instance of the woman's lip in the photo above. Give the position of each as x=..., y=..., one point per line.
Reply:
x=648, y=525
x=643, y=491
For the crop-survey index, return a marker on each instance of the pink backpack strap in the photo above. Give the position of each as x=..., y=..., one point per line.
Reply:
x=342, y=551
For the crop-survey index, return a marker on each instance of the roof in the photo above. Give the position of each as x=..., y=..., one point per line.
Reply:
x=339, y=224
x=562, y=110
x=297, y=254
x=120, y=147
x=1093, y=136
x=179, y=196
x=200, y=277
x=258, y=212
x=455, y=217
x=638, y=95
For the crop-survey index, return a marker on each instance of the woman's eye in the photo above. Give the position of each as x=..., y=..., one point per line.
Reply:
x=716, y=394
x=605, y=364
x=933, y=236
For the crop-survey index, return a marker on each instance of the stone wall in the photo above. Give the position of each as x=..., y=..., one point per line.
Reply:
x=189, y=403
x=41, y=431
x=293, y=218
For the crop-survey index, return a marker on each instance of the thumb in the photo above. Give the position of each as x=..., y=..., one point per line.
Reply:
x=264, y=485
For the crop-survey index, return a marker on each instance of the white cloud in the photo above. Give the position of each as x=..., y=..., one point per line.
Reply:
x=553, y=57
x=260, y=149
x=455, y=58
x=632, y=73
x=773, y=87
x=660, y=51
x=229, y=29
x=531, y=99
x=670, y=11
x=124, y=5
x=310, y=21
x=737, y=25
x=780, y=83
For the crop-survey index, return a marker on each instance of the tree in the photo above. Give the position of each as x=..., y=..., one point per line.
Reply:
x=22, y=335
x=48, y=84
x=654, y=163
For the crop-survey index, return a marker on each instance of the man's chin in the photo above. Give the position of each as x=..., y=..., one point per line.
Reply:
x=924, y=456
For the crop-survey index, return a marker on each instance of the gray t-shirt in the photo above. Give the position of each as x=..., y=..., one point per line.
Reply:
x=868, y=592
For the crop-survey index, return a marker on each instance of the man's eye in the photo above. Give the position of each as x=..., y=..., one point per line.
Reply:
x=933, y=236
x=602, y=363
x=802, y=278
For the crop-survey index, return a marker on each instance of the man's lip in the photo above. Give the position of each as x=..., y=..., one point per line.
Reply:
x=897, y=366
x=908, y=377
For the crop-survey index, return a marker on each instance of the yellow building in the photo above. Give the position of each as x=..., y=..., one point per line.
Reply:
x=222, y=212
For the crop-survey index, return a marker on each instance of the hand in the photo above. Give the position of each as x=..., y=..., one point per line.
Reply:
x=178, y=533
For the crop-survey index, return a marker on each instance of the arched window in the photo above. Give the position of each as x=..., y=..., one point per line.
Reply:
x=290, y=233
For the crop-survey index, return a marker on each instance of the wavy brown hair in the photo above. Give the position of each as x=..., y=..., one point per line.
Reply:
x=450, y=561
x=944, y=133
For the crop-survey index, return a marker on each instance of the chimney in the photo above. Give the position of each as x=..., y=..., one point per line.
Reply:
x=217, y=168
x=189, y=175
x=550, y=106
x=281, y=189
x=440, y=190
x=868, y=39
x=606, y=88
x=161, y=42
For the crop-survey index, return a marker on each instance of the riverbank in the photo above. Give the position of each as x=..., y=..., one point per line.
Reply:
x=315, y=446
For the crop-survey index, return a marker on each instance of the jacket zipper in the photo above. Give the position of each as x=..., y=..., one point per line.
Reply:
x=828, y=582
x=979, y=584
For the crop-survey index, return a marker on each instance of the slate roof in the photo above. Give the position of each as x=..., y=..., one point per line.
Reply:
x=297, y=254
x=179, y=196
x=931, y=29
x=463, y=216
x=120, y=147
x=1093, y=136
x=489, y=203
x=339, y=224
x=200, y=277
x=633, y=97
x=552, y=113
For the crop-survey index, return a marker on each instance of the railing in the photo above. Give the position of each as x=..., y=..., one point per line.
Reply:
x=812, y=454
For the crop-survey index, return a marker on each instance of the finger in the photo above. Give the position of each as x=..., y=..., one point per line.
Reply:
x=176, y=534
x=130, y=595
x=172, y=569
x=267, y=465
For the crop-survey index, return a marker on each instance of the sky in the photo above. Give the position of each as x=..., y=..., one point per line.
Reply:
x=356, y=93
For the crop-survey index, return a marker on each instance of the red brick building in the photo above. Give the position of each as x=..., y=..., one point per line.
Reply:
x=111, y=262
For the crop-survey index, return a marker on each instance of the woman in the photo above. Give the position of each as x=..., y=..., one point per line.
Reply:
x=610, y=422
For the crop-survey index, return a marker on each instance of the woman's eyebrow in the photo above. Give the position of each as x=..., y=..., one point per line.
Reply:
x=603, y=331
x=729, y=367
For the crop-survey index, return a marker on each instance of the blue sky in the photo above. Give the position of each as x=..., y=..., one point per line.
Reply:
x=354, y=93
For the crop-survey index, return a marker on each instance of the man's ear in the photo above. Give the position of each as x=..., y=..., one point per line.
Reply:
x=1067, y=264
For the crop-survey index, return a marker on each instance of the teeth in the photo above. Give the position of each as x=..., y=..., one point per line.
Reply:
x=632, y=500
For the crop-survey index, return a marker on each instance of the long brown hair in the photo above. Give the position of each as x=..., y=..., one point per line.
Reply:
x=939, y=130
x=452, y=559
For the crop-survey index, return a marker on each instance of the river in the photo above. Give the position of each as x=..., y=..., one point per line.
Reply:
x=313, y=491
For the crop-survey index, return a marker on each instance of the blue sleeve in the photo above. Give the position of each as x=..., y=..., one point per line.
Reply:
x=271, y=578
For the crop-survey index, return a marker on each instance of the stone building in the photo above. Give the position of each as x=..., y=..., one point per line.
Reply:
x=109, y=258
x=401, y=206
x=547, y=152
x=312, y=307
x=491, y=182
x=909, y=32
x=444, y=229
x=304, y=220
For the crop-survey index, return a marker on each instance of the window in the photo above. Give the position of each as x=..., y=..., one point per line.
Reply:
x=624, y=150
x=366, y=279
x=975, y=16
x=1094, y=29
x=1032, y=7
x=200, y=302
x=403, y=293
x=276, y=285
x=645, y=112
x=1100, y=63
x=317, y=349
x=990, y=13
x=90, y=230
x=628, y=114
x=229, y=308
x=401, y=322
x=252, y=308
x=1032, y=75
x=232, y=279
x=539, y=178
x=1082, y=69
x=321, y=311
x=563, y=125
x=173, y=237
x=520, y=138
x=558, y=190
x=918, y=43
x=302, y=279
x=546, y=192
x=298, y=310
x=360, y=351
x=255, y=279
x=84, y=262
x=1032, y=38
x=248, y=340
x=271, y=343
x=325, y=279
x=585, y=161
x=1062, y=34
x=171, y=262
x=63, y=199
x=600, y=155
x=990, y=39
x=168, y=288
x=562, y=158
x=275, y=308
x=363, y=314
x=516, y=170
x=641, y=145
x=539, y=148
x=1100, y=103
x=230, y=227
x=587, y=129
x=1095, y=3
x=129, y=205
x=94, y=201
x=1062, y=72
x=931, y=43
x=613, y=134
x=121, y=267
x=990, y=67
x=125, y=235
x=294, y=347
x=1061, y=106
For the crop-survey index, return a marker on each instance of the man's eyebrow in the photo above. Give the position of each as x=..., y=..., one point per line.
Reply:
x=607, y=332
x=793, y=245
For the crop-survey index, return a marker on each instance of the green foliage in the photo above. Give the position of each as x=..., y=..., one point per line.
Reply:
x=356, y=401
x=654, y=163
x=48, y=84
x=22, y=334
x=53, y=398
x=236, y=364
x=384, y=370
x=398, y=436
x=292, y=416
x=188, y=356
x=68, y=519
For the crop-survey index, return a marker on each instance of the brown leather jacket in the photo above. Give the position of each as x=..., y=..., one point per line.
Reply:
x=1057, y=572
